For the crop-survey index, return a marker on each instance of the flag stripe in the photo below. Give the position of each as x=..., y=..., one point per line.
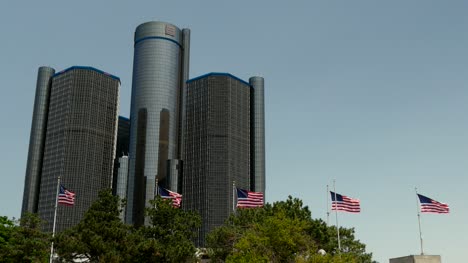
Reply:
x=344, y=203
x=248, y=199
x=167, y=194
x=429, y=205
x=66, y=197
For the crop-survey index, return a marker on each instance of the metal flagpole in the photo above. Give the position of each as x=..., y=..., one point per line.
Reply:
x=336, y=214
x=419, y=220
x=55, y=220
x=157, y=189
x=328, y=207
x=156, y=192
x=233, y=196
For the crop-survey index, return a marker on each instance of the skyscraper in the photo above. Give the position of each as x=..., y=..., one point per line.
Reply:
x=160, y=69
x=257, y=176
x=220, y=145
x=120, y=186
x=80, y=136
x=37, y=140
x=120, y=174
x=123, y=142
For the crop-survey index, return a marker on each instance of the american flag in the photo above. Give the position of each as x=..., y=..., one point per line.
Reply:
x=248, y=199
x=66, y=197
x=344, y=203
x=167, y=194
x=432, y=206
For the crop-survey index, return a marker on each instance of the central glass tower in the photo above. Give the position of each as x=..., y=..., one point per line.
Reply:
x=160, y=70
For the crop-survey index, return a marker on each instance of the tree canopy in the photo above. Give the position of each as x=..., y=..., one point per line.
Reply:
x=101, y=236
x=282, y=232
x=169, y=235
x=23, y=240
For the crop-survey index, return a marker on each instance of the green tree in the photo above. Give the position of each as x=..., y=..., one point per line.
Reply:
x=274, y=239
x=100, y=236
x=7, y=227
x=282, y=232
x=168, y=237
x=23, y=243
x=349, y=244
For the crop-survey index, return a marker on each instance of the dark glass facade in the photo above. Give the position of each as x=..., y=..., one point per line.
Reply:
x=80, y=142
x=122, y=177
x=160, y=69
x=121, y=149
x=217, y=146
x=37, y=140
x=257, y=176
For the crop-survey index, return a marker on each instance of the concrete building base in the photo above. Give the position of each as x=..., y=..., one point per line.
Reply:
x=417, y=259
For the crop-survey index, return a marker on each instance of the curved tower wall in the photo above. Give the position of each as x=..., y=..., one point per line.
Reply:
x=217, y=147
x=80, y=142
x=185, y=77
x=258, y=135
x=37, y=140
x=158, y=72
x=121, y=186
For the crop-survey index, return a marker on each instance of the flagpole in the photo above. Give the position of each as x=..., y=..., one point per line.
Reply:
x=328, y=207
x=157, y=188
x=233, y=196
x=419, y=220
x=156, y=192
x=55, y=220
x=336, y=215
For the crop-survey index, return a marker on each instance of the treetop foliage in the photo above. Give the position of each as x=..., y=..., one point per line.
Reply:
x=23, y=240
x=280, y=232
x=102, y=237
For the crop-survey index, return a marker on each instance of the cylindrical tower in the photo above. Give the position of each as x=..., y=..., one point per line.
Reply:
x=36, y=141
x=257, y=180
x=158, y=71
x=121, y=185
x=183, y=97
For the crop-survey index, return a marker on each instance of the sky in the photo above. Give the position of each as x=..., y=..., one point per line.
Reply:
x=371, y=94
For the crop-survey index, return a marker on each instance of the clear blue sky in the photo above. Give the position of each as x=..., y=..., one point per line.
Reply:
x=371, y=93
